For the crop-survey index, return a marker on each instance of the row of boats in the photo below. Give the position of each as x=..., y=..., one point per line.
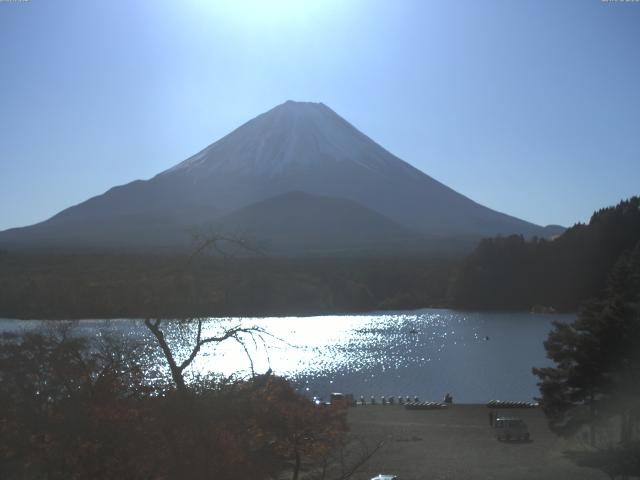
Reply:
x=503, y=404
x=414, y=403
x=492, y=404
x=386, y=400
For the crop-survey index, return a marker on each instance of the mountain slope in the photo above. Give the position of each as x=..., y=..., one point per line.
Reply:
x=296, y=146
x=298, y=222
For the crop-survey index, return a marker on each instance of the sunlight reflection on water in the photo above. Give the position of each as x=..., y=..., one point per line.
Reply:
x=475, y=356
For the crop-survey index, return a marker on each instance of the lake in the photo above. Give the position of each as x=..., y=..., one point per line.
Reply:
x=474, y=356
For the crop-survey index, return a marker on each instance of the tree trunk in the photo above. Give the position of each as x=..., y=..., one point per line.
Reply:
x=296, y=467
x=176, y=371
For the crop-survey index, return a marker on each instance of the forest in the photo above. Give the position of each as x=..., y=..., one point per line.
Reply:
x=103, y=285
x=502, y=273
x=512, y=273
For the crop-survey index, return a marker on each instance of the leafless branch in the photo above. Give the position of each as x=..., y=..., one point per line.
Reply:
x=244, y=347
x=177, y=370
x=347, y=468
x=359, y=463
x=215, y=241
x=226, y=246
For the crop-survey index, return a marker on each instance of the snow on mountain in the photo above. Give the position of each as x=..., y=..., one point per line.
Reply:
x=295, y=147
x=291, y=135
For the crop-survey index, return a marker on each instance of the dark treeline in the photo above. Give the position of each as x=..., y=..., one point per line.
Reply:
x=67, y=286
x=503, y=273
x=515, y=274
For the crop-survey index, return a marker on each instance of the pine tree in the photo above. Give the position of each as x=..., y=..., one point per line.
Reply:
x=597, y=372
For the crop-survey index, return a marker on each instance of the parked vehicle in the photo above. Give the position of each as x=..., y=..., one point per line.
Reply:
x=510, y=428
x=386, y=477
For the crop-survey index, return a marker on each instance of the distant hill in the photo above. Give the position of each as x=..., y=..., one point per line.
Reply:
x=295, y=147
x=299, y=223
x=514, y=273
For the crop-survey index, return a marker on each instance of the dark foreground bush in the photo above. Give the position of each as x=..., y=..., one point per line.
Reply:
x=70, y=409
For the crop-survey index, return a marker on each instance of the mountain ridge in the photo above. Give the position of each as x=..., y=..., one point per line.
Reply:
x=294, y=147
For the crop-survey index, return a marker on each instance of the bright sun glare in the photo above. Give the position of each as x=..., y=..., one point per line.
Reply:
x=266, y=12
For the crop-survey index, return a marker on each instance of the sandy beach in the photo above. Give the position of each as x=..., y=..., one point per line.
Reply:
x=457, y=444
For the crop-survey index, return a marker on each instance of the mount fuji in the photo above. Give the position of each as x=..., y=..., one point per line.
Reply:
x=299, y=178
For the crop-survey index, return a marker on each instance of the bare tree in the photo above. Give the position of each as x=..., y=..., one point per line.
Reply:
x=177, y=369
x=303, y=438
x=226, y=246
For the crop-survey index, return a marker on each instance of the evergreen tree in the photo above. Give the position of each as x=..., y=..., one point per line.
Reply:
x=511, y=273
x=597, y=372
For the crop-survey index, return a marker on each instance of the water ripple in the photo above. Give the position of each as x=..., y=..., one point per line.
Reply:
x=475, y=356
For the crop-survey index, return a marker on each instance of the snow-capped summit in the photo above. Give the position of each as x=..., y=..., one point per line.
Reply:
x=284, y=138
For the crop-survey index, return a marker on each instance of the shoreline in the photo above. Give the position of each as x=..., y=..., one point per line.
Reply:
x=344, y=313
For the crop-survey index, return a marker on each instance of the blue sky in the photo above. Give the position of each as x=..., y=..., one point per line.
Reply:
x=528, y=107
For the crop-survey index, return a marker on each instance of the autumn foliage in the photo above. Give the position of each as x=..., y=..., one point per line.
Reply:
x=74, y=409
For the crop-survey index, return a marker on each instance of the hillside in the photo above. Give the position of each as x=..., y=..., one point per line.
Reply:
x=514, y=273
x=299, y=223
x=295, y=147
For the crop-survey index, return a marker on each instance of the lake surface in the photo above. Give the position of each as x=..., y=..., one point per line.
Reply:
x=474, y=356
